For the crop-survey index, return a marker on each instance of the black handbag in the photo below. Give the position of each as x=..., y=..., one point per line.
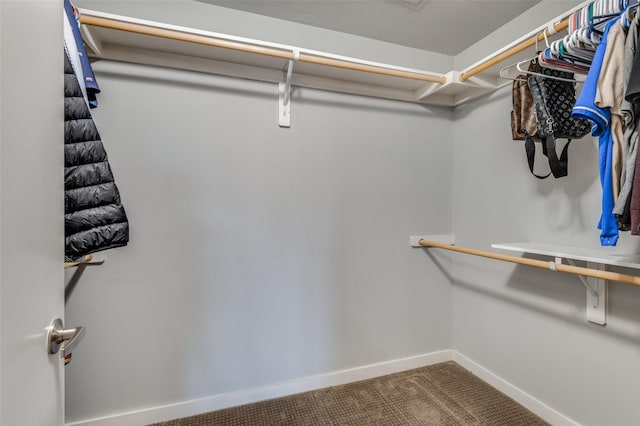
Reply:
x=554, y=100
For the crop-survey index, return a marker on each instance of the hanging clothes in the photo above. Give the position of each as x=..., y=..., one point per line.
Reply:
x=601, y=117
x=609, y=94
x=95, y=219
x=603, y=39
x=634, y=208
x=630, y=113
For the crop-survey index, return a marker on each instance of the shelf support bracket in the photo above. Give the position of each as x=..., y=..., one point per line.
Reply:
x=593, y=292
x=90, y=40
x=284, y=93
x=596, y=294
x=597, y=306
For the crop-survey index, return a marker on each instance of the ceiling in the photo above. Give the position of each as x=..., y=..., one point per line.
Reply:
x=443, y=26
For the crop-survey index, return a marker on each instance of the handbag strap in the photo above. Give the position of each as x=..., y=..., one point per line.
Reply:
x=530, y=150
x=559, y=167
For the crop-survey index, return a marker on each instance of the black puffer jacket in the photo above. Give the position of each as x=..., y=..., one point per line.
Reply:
x=94, y=216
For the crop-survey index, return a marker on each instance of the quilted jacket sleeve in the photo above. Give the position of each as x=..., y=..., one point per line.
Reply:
x=95, y=219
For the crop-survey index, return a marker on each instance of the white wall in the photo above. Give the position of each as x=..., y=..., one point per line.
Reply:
x=527, y=325
x=524, y=324
x=258, y=254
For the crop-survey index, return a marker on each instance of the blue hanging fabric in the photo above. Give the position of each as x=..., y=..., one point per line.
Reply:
x=601, y=117
x=90, y=85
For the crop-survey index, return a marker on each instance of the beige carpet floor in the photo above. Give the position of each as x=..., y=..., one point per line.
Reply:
x=441, y=394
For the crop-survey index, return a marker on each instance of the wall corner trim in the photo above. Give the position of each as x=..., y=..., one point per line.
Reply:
x=246, y=396
x=530, y=402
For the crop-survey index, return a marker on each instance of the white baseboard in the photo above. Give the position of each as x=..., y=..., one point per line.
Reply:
x=246, y=396
x=533, y=404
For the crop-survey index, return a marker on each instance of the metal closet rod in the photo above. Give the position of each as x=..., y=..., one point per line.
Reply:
x=250, y=48
x=575, y=270
x=513, y=50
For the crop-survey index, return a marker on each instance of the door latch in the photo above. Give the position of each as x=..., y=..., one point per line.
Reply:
x=60, y=338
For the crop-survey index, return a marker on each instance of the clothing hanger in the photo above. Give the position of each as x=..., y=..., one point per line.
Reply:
x=598, y=15
x=598, y=9
x=570, y=53
x=528, y=61
x=629, y=14
x=576, y=45
x=504, y=71
x=561, y=62
x=609, y=7
x=583, y=36
x=551, y=77
x=547, y=61
x=578, y=48
x=575, y=55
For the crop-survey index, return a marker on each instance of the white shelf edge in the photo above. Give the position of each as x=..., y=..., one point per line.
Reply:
x=453, y=93
x=604, y=257
x=596, y=289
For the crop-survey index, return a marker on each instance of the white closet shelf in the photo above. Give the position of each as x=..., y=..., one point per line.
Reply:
x=122, y=38
x=597, y=289
x=593, y=275
x=605, y=256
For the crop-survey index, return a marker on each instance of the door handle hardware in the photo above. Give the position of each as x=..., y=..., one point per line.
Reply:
x=57, y=335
